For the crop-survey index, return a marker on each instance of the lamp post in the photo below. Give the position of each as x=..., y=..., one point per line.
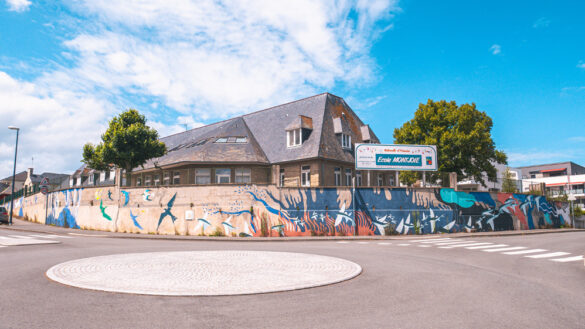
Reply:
x=13, y=174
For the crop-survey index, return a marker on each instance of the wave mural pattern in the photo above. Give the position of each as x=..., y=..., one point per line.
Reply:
x=250, y=210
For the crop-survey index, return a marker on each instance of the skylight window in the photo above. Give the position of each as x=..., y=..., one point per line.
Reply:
x=232, y=139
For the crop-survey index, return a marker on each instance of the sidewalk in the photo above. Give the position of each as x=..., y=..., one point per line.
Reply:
x=25, y=226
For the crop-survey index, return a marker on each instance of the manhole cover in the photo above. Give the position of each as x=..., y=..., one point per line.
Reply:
x=203, y=273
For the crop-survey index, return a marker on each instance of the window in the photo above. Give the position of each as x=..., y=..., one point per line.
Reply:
x=138, y=181
x=346, y=141
x=91, y=179
x=232, y=139
x=305, y=176
x=391, y=180
x=380, y=180
x=221, y=140
x=96, y=178
x=337, y=173
x=203, y=176
x=113, y=174
x=177, y=177
x=293, y=138
x=348, y=177
x=358, y=178
x=147, y=181
x=281, y=177
x=156, y=180
x=243, y=175
x=107, y=175
x=166, y=178
x=241, y=139
x=223, y=176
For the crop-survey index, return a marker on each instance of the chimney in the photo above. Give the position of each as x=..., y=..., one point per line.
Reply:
x=29, y=172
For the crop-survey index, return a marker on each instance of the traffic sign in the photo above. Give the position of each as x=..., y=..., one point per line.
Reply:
x=45, y=181
x=44, y=190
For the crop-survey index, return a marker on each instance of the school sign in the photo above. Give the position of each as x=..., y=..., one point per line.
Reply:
x=396, y=157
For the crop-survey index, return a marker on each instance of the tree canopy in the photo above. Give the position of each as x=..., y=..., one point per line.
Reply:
x=462, y=135
x=127, y=143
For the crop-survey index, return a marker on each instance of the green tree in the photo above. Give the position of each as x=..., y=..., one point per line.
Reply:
x=463, y=138
x=508, y=184
x=127, y=143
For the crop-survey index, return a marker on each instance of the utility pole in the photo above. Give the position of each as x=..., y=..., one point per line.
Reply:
x=13, y=173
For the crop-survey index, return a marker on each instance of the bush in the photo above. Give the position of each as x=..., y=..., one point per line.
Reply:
x=218, y=232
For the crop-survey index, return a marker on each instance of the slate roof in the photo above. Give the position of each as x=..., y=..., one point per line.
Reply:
x=54, y=179
x=20, y=177
x=265, y=131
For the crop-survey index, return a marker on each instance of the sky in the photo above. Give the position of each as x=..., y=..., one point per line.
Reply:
x=68, y=67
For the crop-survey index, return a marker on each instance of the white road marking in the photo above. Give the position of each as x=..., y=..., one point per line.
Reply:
x=489, y=246
x=552, y=254
x=91, y=235
x=363, y=242
x=342, y=241
x=20, y=242
x=50, y=236
x=449, y=243
x=466, y=245
x=384, y=243
x=568, y=259
x=404, y=244
x=424, y=246
x=503, y=249
x=430, y=240
x=19, y=236
x=522, y=252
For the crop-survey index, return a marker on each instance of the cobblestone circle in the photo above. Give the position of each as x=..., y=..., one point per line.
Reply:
x=203, y=273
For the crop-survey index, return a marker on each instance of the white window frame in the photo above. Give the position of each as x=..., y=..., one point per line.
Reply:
x=380, y=179
x=166, y=178
x=218, y=177
x=138, y=181
x=91, y=179
x=348, y=177
x=337, y=175
x=294, y=138
x=176, y=177
x=203, y=173
x=306, y=176
x=345, y=141
x=147, y=180
x=358, y=178
x=156, y=180
x=243, y=176
x=282, y=176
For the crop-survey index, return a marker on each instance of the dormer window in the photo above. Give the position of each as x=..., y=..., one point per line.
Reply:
x=345, y=141
x=293, y=138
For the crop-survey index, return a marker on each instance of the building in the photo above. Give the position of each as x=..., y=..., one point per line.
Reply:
x=470, y=185
x=308, y=142
x=33, y=181
x=562, y=178
x=6, y=184
x=85, y=176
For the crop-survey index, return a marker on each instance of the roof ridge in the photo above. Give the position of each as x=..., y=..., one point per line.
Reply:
x=247, y=114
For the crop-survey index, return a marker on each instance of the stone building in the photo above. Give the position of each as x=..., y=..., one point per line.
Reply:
x=308, y=142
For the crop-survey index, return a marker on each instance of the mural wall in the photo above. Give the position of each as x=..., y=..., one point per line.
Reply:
x=270, y=211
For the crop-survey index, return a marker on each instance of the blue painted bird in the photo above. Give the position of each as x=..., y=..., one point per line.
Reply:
x=167, y=212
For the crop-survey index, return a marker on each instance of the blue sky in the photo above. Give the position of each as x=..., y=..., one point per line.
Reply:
x=67, y=67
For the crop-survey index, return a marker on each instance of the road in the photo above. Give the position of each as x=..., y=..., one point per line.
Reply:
x=483, y=282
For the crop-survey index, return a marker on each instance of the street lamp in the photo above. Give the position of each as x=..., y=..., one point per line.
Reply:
x=13, y=173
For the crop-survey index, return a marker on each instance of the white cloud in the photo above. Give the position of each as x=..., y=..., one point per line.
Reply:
x=18, y=5
x=581, y=65
x=495, y=49
x=214, y=59
x=542, y=22
x=54, y=125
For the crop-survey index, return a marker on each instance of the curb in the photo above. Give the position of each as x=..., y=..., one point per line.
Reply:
x=36, y=228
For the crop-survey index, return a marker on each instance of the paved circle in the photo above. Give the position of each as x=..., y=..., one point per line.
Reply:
x=203, y=273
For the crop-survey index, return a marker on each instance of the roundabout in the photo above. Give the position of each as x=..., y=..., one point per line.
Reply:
x=203, y=273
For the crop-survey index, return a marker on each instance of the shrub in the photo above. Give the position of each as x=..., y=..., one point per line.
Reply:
x=218, y=232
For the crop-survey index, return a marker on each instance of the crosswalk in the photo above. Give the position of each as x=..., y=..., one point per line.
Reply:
x=8, y=240
x=487, y=247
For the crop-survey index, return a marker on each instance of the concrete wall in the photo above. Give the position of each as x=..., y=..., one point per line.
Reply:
x=257, y=210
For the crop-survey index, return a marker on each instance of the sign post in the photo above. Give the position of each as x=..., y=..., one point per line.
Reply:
x=45, y=190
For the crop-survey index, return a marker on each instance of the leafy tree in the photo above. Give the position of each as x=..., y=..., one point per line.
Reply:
x=127, y=143
x=508, y=184
x=463, y=138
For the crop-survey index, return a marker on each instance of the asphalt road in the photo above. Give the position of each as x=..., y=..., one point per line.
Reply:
x=404, y=284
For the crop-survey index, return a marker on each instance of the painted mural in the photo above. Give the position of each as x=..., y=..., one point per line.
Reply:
x=251, y=210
